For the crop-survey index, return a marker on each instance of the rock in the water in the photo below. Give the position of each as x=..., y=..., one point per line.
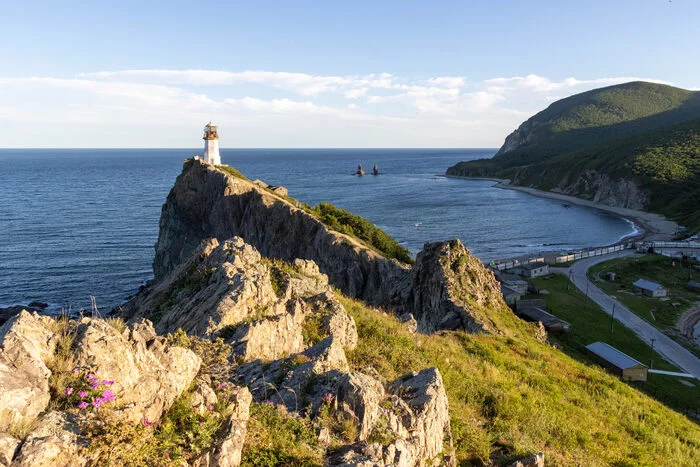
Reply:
x=25, y=345
x=8, y=449
x=55, y=443
x=534, y=460
x=150, y=377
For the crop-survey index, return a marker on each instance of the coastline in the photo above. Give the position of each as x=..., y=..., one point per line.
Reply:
x=654, y=227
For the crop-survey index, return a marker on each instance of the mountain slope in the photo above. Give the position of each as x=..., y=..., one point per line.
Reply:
x=636, y=145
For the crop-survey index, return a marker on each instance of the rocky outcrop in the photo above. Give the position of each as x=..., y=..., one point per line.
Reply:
x=451, y=289
x=601, y=188
x=8, y=448
x=358, y=397
x=534, y=460
x=414, y=422
x=57, y=442
x=228, y=452
x=147, y=374
x=206, y=203
x=26, y=344
x=524, y=135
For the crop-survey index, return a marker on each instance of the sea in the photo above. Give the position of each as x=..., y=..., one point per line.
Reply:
x=76, y=223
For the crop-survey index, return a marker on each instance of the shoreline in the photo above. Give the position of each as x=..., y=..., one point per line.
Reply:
x=653, y=227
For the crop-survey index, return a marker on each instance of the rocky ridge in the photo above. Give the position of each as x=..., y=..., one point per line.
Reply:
x=235, y=323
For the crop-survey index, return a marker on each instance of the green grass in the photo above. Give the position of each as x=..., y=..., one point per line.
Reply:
x=513, y=396
x=656, y=268
x=590, y=324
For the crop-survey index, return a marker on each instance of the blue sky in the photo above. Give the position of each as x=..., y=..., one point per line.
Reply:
x=321, y=74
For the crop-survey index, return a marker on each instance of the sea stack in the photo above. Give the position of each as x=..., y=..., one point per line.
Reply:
x=375, y=170
x=360, y=170
x=211, y=145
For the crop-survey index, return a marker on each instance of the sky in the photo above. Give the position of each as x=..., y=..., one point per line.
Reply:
x=320, y=74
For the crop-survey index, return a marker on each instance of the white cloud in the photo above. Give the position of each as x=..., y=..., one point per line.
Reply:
x=270, y=108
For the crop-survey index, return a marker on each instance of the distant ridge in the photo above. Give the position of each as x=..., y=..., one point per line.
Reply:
x=634, y=145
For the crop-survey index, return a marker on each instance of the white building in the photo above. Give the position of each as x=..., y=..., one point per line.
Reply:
x=650, y=289
x=211, y=145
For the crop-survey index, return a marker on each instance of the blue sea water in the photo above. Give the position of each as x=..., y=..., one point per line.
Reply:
x=81, y=222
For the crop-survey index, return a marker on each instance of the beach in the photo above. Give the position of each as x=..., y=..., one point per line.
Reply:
x=653, y=227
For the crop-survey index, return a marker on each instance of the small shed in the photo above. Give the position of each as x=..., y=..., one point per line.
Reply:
x=533, y=270
x=513, y=282
x=648, y=288
x=694, y=286
x=510, y=296
x=610, y=276
x=617, y=362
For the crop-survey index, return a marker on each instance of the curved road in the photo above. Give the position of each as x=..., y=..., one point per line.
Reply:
x=664, y=345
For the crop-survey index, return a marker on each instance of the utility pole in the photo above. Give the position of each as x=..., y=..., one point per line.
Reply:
x=651, y=365
x=612, y=318
x=587, y=293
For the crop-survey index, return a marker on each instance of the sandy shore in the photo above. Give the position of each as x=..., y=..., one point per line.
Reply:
x=655, y=226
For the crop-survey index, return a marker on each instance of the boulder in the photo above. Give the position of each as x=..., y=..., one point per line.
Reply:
x=146, y=380
x=202, y=398
x=271, y=338
x=342, y=327
x=25, y=345
x=359, y=396
x=56, y=442
x=8, y=449
x=228, y=452
x=534, y=460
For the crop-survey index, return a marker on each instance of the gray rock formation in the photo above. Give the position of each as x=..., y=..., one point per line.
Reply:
x=208, y=203
x=8, y=449
x=26, y=343
x=148, y=375
x=535, y=460
x=228, y=452
x=56, y=442
x=451, y=289
x=603, y=189
x=359, y=396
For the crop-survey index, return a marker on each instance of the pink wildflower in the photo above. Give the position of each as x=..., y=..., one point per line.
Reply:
x=91, y=376
x=68, y=391
x=201, y=423
x=94, y=385
x=107, y=396
x=97, y=402
x=82, y=405
x=83, y=394
x=107, y=382
x=147, y=422
x=76, y=370
x=221, y=385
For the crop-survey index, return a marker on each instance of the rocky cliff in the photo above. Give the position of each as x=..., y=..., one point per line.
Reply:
x=206, y=202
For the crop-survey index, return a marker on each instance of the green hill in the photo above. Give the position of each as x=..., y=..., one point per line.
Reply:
x=634, y=145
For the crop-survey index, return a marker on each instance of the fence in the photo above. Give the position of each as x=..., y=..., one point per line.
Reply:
x=504, y=264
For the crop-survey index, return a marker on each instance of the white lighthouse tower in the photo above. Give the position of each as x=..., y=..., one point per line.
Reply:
x=211, y=145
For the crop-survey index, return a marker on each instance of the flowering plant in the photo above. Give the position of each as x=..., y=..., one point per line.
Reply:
x=87, y=391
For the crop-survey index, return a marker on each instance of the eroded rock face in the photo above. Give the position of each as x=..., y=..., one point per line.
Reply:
x=359, y=396
x=601, y=188
x=534, y=460
x=228, y=452
x=55, y=443
x=26, y=344
x=147, y=375
x=451, y=289
x=207, y=203
x=8, y=448
x=414, y=418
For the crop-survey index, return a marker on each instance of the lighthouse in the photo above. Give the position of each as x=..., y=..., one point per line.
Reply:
x=211, y=145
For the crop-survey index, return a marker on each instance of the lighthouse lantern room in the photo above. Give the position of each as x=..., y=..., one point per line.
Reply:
x=211, y=145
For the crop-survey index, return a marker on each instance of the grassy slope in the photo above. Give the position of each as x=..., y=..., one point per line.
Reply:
x=590, y=324
x=641, y=131
x=656, y=268
x=344, y=222
x=511, y=396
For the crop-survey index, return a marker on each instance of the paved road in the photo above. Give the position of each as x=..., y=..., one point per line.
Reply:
x=664, y=345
